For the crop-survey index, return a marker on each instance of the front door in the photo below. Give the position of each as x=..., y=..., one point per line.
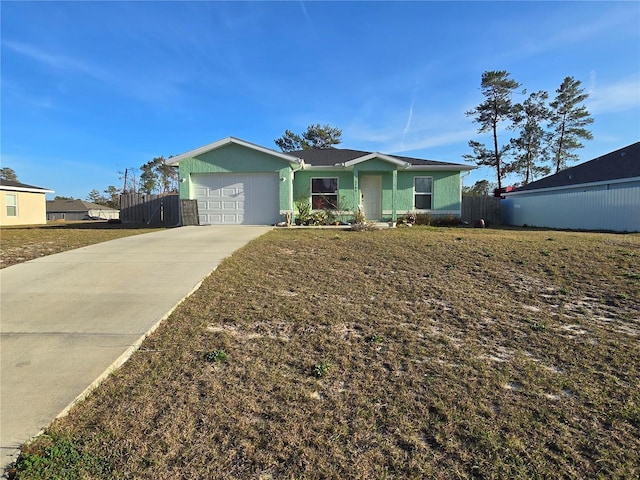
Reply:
x=371, y=191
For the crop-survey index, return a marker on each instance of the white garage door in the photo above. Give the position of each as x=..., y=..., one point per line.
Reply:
x=235, y=199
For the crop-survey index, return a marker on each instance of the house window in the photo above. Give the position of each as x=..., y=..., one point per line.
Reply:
x=423, y=193
x=12, y=205
x=324, y=193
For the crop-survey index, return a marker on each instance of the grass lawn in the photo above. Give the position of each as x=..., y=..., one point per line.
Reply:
x=23, y=243
x=400, y=353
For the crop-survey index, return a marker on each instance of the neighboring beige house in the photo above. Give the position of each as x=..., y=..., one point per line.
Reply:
x=22, y=204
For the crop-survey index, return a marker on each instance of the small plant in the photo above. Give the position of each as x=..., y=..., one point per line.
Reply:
x=423, y=219
x=330, y=213
x=215, y=356
x=546, y=253
x=319, y=218
x=538, y=327
x=409, y=219
x=304, y=210
x=374, y=338
x=319, y=370
x=358, y=216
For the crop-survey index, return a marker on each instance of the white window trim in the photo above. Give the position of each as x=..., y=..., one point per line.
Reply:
x=15, y=204
x=423, y=193
x=325, y=193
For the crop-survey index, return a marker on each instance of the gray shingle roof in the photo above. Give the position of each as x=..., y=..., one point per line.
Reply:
x=73, y=206
x=622, y=163
x=11, y=183
x=331, y=156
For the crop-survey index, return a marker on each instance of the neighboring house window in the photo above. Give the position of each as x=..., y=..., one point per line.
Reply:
x=324, y=193
x=12, y=205
x=423, y=192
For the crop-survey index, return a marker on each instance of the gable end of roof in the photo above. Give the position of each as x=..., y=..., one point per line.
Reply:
x=175, y=161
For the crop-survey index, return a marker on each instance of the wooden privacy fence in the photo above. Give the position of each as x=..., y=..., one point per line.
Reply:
x=476, y=207
x=165, y=210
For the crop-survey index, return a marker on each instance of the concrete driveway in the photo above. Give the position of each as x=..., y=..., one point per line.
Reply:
x=68, y=319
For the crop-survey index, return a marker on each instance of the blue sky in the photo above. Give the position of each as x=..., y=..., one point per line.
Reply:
x=91, y=88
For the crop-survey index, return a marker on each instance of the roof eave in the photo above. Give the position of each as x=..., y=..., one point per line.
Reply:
x=337, y=166
x=26, y=189
x=418, y=168
x=572, y=186
x=446, y=168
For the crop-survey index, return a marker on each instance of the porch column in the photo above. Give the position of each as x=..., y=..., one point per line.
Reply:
x=394, y=190
x=289, y=180
x=356, y=196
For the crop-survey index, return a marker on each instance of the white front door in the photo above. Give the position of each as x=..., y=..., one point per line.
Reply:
x=371, y=191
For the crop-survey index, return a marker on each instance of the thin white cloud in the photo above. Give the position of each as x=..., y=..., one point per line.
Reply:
x=139, y=83
x=592, y=82
x=304, y=11
x=58, y=62
x=436, y=129
x=431, y=139
x=408, y=125
x=559, y=34
x=615, y=97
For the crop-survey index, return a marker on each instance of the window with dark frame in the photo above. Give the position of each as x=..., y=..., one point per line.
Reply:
x=324, y=193
x=12, y=205
x=423, y=193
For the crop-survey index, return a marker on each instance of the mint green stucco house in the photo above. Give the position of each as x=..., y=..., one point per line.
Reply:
x=238, y=182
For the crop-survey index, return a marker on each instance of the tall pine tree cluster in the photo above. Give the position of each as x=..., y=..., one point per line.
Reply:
x=547, y=132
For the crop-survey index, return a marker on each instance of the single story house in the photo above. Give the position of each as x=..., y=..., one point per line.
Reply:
x=70, y=210
x=601, y=194
x=238, y=182
x=22, y=204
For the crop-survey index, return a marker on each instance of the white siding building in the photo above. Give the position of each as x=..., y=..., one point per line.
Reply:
x=601, y=194
x=71, y=210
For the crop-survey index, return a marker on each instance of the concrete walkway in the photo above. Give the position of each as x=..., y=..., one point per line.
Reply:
x=68, y=319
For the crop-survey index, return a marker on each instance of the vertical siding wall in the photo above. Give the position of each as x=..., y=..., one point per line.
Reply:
x=476, y=207
x=237, y=159
x=150, y=209
x=446, y=191
x=614, y=207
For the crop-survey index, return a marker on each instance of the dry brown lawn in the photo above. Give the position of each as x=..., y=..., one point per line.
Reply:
x=21, y=244
x=404, y=353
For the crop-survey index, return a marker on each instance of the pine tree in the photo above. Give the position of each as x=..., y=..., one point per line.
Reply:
x=7, y=173
x=529, y=147
x=568, y=122
x=497, y=87
x=316, y=136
